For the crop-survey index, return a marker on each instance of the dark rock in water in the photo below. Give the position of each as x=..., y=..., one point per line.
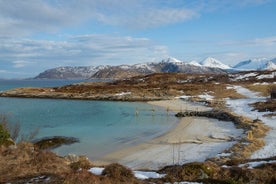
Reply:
x=54, y=142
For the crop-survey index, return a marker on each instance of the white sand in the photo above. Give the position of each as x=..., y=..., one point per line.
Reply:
x=193, y=139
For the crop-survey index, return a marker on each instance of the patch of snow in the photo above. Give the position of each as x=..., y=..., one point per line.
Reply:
x=246, y=92
x=268, y=76
x=182, y=81
x=145, y=66
x=96, y=170
x=138, y=174
x=206, y=96
x=230, y=87
x=147, y=174
x=125, y=67
x=263, y=83
x=123, y=93
x=239, y=77
x=252, y=165
x=224, y=155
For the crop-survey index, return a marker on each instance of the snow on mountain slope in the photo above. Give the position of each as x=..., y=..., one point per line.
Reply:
x=257, y=64
x=214, y=63
x=270, y=66
x=195, y=63
x=172, y=60
x=69, y=72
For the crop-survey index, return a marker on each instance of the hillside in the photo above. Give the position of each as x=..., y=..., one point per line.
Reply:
x=69, y=72
x=155, y=86
x=126, y=71
x=257, y=64
x=169, y=65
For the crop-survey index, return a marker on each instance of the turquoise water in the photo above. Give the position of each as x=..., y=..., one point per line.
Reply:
x=100, y=126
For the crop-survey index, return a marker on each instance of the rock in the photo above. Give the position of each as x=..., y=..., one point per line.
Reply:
x=54, y=142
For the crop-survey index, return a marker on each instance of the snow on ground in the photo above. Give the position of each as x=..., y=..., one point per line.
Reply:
x=241, y=106
x=138, y=174
x=268, y=76
x=123, y=93
x=147, y=174
x=246, y=92
x=142, y=175
x=96, y=170
x=206, y=96
x=239, y=77
x=252, y=165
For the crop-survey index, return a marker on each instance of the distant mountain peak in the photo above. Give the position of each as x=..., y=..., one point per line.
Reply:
x=270, y=66
x=214, y=63
x=172, y=60
x=195, y=63
x=257, y=64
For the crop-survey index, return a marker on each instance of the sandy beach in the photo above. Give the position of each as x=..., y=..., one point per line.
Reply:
x=193, y=139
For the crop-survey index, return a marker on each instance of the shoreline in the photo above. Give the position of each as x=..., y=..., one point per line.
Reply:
x=203, y=136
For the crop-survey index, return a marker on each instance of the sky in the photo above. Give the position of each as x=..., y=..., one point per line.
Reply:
x=36, y=35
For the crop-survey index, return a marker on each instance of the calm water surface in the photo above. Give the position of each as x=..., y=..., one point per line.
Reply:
x=100, y=126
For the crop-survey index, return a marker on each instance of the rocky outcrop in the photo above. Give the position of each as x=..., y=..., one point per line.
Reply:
x=54, y=142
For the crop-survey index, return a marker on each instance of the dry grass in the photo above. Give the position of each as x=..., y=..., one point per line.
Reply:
x=264, y=90
x=24, y=160
x=119, y=174
x=269, y=105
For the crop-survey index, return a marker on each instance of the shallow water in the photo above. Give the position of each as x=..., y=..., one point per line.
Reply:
x=101, y=126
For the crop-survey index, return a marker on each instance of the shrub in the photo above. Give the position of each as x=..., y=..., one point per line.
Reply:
x=14, y=131
x=118, y=171
x=82, y=163
x=4, y=134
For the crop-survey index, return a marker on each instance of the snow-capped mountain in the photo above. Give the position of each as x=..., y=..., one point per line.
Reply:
x=209, y=65
x=195, y=63
x=257, y=64
x=165, y=66
x=214, y=63
x=68, y=72
x=172, y=60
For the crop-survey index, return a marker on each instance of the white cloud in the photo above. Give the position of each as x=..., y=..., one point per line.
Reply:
x=83, y=50
x=265, y=41
x=26, y=17
x=19, y=17
x=21, y=63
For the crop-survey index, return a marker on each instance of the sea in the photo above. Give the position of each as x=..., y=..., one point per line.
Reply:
x=101, y=126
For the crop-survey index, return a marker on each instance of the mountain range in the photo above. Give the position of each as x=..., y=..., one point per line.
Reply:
x=208, y=65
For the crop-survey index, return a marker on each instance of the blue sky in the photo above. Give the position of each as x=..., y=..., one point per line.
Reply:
x=36, y=35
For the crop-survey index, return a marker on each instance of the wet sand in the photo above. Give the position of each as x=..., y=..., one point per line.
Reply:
x=193, y=139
